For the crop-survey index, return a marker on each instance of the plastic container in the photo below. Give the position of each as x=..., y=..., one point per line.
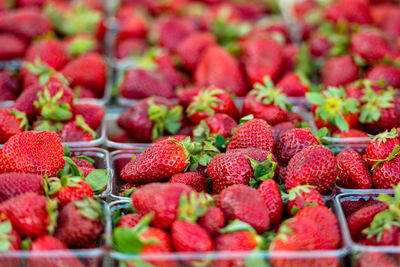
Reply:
x=292, y=258
x=360, y=255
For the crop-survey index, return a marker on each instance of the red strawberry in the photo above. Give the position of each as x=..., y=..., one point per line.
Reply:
x=218, y=124
x=266, y=102
x=351, y=206
x=314, y=165
x=339, y=70
x=84, y=162
x=162, y=199
x=319, y=45
x=11, y=123
x=381, y=146
x=88, y=70
x=92, y=113
x=352, y=11
x=11, y=47
x=244, y=203
x=353, y=171
x=269, y=191
x=212, y=68
x=21, y=21
x=385, y=173
x=48, y=243
x=9, y=86
x=212, y=221
x=293, y=84
x=279, y=129
x=370, y=45
x=190, y=237
x=32, y=152
x=177, y=137
x=210, y=101
x=302, y=196
x=389, y=74
x=129, y=220
x=77, y=131
x=262, y=57
x=15, y=184
x=173, y=32
x=50, y=52
x=186, y=95
x=352, y=133
x=141, y=83
x=31, y=215
x=292, y=142
x=132, y=27
x=80, y=223
x=255, y=133
x=370, y=258
x=192, y=179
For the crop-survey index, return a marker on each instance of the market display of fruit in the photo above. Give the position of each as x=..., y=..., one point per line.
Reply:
x=199, y=133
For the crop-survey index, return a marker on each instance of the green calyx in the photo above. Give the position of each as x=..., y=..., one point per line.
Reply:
x=267, y=94
x=52, y=212
x=5, y=235
x=24, y=124
x=374, y=102
x=304, y=63
x=332, y=105
x=284, y=230
x=80, y=122
x=395, y=153
x=44, y=72
x=85, y=158
x=337, y=36
x=80, y=45
x=91, y=209
x=205, y=101
x=201, y=133
x=237, y=225
x=164, y=119
x=54, y=184
x=382, y=137
x=298, y=190
x=51, y=108
x=193, y=206
x=47, y=125
x=147, y=60
x=262, y=171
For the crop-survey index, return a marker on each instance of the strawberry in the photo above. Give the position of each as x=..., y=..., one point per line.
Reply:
x=11, y=123
x=389, y=74
x=15, y=184
x=381, y=146
x=11, y=47
x=50, y=52
x=292, y=142
x=186, y=94
x=294, y=84
x=177, y=137
x=351, y=206
x=314, y=165
x=320, y=45
x=262, y=56
x=218, y=124
x=31, y=215
x=129, y=220
x=162, y=199
x=91, y=112
x=88, y=70
x=9, y=86
x=244, y=203
x=32, y=152
x=371, y=258
x=80, y=223
x=20, y=22
x=254, y=133
x=352, y=133
x=190, y=237
x=266, y=102
x=192, y=179
x=339, y=70
x=352, y=11
x=390, y=23
x=212, y=67
x=333, y=109
x=141, y=83
x=370, y=45
x=210, y=101
x=77, y=131
x=302, y=196
x=173, y=32
x=192, y=47
x=83, y=161
x=48, y=243
x=353, y=171
x=212, y=221
x=385, y=173
x=269, y=191
x=132, y=27
x=279, y=129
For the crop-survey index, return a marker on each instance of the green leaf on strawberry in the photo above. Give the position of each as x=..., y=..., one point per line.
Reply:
x=267, y=94
x=97, y=180
x=164, y=119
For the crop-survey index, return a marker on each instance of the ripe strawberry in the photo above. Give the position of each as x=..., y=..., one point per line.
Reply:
x=15, y=184
x=389, y=74
x=48, y=243
x=262, y=57
x=162, y=199
x=279, y=129
x=269, y=191
x=351, y=206
x=132, y=27
x=212, y=221
x=177, y=137
x=266, y=102
x=88, y=70
x=292, y=142
x=352, y=11
x=362, y=218
x=334, y=110
x=173, y=32
x=326, y=222
x=244, y=203
x=50, y=52
x=293, y=84
x=302, y=196
x=352, y=133
x=31, y=215
x=314, y=165
x=141, y=83
x=353, y=171
x=192, y=47
x=77, y=131
x=210, y=101
x=11, y=123
x=339, y=70
x=254, y=133
x=20, y=22
x=9, y=86
x=385, y=173
x=11, y=47
x=371, y=258
x=320, y=45
x=186, y=95
x=381, y=146
x=193, y=179
x=212, y=68
x=84, y=162
x=190, y=237
x=80, y=223
x=129, y=220
x=218, y=124
x=370, y=45
x=32, y=152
